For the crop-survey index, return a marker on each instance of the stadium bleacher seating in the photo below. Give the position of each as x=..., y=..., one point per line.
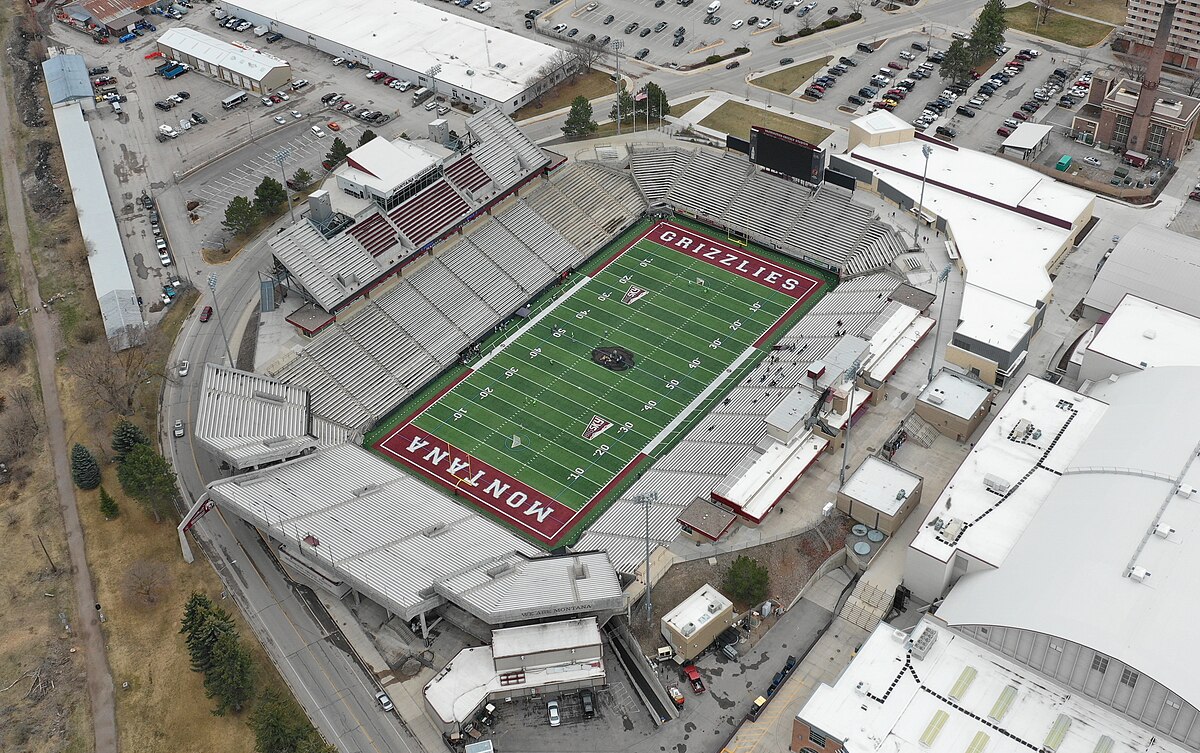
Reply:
x=467, y=174
x=374, y=233
x=431, y=211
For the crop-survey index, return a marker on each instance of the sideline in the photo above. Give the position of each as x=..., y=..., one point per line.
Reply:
x=87, y=623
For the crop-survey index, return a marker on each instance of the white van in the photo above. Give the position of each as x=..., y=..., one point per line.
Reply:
x=714, y=7
x=116, y=107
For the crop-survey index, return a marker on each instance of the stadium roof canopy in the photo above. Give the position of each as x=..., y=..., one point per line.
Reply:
x=1152, y=263
x=469, y=55
x=249, y=420
x=1123, y=507
x=404, y=544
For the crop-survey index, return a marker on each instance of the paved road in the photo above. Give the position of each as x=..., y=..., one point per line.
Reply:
x=87, y=623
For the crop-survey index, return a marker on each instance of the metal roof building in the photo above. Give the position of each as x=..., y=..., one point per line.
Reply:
x=1098, y=589
x=67, y=78
x=464, y=59
x=1152, y=263
x=113, y=284
x=234, y=64
x=407, y=546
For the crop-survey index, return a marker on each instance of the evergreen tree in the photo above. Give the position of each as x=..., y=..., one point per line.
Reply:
x=240, y=216
x=302, y=178
x=367, y=136
x=84, y=471
x=337, y=151
x=279, y=726
x=147, y=477
x=269, y=196
x=198, y=604
x=230, y=679
x=956, y=66
x=747, y=581
x=126, y=436
x=627, y=105
x=108, y=505
x=988, y=31
x=314, y=744
x=579, y=120
x=202, y=640
x=655, y=102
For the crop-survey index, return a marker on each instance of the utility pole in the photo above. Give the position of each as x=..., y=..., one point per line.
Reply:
x=212, y=285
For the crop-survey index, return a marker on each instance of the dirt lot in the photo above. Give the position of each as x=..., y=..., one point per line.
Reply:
x=790, y=561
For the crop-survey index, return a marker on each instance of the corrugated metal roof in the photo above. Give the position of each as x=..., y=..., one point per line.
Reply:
x=106, y=254
x=250, y=419
x=1152, y=263
x=67, y=78
x=389, y=535
x=564, y=585
x=252, y=64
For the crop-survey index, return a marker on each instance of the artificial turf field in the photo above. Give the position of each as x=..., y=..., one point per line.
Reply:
x=546, y=424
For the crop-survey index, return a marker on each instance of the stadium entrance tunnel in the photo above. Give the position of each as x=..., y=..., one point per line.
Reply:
x=613, y=357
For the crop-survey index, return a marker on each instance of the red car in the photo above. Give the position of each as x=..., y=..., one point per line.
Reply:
x=895, y=66
x=1003, y=131
x=206, y=313
x=1194, y=196
x=1020, y=115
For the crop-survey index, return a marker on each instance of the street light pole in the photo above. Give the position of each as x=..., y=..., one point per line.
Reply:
x=937, y=333
x=927, y=151
x=280, y=158
x=852, y=374
x=616, y=45
x=212, y=285
x=645, y=500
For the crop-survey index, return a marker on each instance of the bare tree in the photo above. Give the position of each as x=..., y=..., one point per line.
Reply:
x=12, y=344
x=586, y=55
x=855, y=6
x=19, y=425
x=110, y=380
x=1043, y=10
x=1134, y=67
x=145, y=582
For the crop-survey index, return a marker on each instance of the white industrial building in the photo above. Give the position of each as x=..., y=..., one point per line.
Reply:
x=1150, y=262
x=1139, y=335
x=119, y=309
x=454, y=56
x=968, y=195
x=233, y=64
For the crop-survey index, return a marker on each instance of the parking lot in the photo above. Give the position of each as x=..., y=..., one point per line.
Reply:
x=660, y=23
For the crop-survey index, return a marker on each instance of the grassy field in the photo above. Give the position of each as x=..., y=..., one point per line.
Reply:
x=1112, y=11
x=788, y=80
x=591, y=85
x=683, y=108
x=735, y=118
x=544, y=416
x=1076, y=32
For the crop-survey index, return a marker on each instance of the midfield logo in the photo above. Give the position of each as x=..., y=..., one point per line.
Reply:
x=597, y=426
x=633, y=294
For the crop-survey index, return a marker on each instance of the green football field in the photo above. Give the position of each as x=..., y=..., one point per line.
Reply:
x=541, y=428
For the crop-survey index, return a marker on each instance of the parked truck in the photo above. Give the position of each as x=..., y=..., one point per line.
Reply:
x=693, y=676
x=420, y=95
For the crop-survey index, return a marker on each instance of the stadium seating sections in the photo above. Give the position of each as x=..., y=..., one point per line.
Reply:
x=825, y=227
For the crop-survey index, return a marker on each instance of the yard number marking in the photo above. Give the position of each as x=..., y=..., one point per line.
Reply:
x=627, y=426
x=601, y=450
x=535, y=352
x=510, y=371
x=672, y=384
x=558, y=332
x=578, y=472
x=694, y=364
x=485, y=392
x=649, y=405
x=715, y=344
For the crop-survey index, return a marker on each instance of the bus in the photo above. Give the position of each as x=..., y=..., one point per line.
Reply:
x=233, y=100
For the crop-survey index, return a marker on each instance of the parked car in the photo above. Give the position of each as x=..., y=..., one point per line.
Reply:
x=198, y=118
x=854, y=99
x=333, y=126
x=551, y=708
x=609, y=19
x=642, y=53
x=316, y=131
x=1092, y=161
x=738, y=24
x=632, y=27
x=1003, y=132
x=179, y=430
x=385, y=703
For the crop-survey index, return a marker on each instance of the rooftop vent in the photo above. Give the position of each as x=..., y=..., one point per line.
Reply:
x=1163, y=531
x=995, y=483
x=924, y=642
x=1149, y=334
x=1186, y=491
x=364, y=491
x=1140, y=574
x=688, y=629
x=268, y=396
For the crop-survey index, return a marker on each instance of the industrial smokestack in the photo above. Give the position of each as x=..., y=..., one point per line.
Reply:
x=1139, y=129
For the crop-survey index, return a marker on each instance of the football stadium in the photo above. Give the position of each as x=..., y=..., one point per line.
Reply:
x=607, y=371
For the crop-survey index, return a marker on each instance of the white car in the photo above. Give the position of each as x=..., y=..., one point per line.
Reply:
x=592, y=6
x=297, y=114
x=385, y=703
x=371, y=73
x=906, y=55
x=764, y=23
x=551, y=707
x=1092, y=161
x=164, y=259
x=339, y=61
x=560, y=28
x=183, y=368
x=185, y=125
x=179, y=432
x=280, y=119
x=282, y=95
x=316, y=130
x=483, y=7
x=738, y=24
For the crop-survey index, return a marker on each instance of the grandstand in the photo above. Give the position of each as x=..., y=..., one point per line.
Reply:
x=822, y=227
x=713, y=449
x=395, y=200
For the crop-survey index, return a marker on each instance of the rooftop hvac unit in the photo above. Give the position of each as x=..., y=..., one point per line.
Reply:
x=1023, y=428
x=862, y=688
x=1149, y=334
x=935, y=398
x=688, y=629
x=924, y=642
x=995, y=483
x=1186, y=491
x=901, y=495
x=1163, y=531
x=1140, y=574
x=713, y=608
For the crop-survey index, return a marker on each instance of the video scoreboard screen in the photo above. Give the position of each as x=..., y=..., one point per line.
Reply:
x=787, y=155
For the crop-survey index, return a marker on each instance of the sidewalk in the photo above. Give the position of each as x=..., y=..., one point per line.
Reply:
x=406, y=697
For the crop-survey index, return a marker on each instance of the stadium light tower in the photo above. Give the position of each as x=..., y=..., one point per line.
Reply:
x=616, y=45
x=927, y=151
x=850, y=373
x=281, y=157
x=645, y=500
x=212, y=285
x=942, y=277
